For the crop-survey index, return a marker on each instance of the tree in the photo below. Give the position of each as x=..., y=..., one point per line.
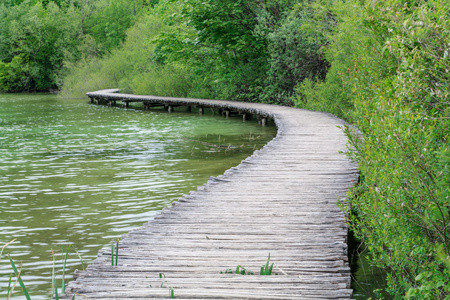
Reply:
x=34, y=42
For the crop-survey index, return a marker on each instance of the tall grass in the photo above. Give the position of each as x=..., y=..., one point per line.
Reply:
x=18, y=272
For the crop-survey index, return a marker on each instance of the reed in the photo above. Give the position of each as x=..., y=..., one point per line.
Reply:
x=63, y=285
x=3, y=248
x=81, y=260
x=54, y=284
x=17, y=273
x=8, y=291
x=115, y=253
x=19, y=279
x=243, y=271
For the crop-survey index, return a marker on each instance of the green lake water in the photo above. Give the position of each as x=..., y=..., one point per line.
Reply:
x=72, y=173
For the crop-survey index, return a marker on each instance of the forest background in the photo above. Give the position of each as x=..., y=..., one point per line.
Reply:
x=383, y=66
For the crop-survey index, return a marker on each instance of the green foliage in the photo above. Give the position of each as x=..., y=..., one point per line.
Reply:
x=109, y=21
x=38, y=39
x=389, y=76
x=224, y=54
x=334, y=94
x=295, y=49
x=218, y=49
x=34, y=41
x=131, y=67
x=238, y=49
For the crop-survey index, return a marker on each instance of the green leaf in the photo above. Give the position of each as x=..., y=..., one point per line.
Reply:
x=63, y=287
x=24, y=289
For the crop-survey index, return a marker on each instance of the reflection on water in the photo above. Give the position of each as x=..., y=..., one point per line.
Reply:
x=82, y=175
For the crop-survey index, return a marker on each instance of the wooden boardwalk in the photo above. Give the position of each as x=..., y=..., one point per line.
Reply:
x=281, y=200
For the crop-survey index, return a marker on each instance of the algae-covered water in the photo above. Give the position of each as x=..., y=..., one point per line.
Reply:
x=77, y=174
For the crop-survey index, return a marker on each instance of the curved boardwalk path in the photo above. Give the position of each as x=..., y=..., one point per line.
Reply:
x=281, y=200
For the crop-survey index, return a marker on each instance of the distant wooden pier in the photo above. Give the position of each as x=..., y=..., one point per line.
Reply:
x=281, y=200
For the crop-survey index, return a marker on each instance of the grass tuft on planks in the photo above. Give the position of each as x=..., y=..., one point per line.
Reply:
x=265, y=270
x=239, y=270
x=165, y=283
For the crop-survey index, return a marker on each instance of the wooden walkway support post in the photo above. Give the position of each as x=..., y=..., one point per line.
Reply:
x=263, y=121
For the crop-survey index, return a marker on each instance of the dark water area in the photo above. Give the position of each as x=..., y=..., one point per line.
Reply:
x=77, y=174
x=368, y=281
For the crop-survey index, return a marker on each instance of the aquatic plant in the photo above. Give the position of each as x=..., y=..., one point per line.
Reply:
x=63, y=287
x=19, y=279
x=115, y=254
x=17, y=273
